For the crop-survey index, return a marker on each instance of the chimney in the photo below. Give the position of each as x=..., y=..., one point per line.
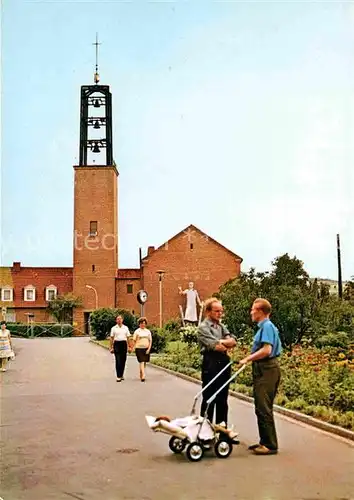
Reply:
x=151, y=250
x=16, y=266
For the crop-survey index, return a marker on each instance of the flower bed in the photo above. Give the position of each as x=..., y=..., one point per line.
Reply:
x=317, y=382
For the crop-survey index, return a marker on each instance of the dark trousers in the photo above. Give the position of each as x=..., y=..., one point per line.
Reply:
x=266, y=378
x=213, y=363
x=120, y=348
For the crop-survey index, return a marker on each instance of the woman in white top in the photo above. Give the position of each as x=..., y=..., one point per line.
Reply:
x=142, y=344
x=119, y=346
x=5, y=346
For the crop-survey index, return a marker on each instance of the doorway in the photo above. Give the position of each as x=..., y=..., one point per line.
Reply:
x=87, y=324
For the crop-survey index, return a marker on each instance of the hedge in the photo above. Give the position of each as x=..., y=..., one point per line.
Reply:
x=45, y=330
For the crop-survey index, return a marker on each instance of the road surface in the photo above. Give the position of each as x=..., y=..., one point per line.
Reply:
x=69, y=430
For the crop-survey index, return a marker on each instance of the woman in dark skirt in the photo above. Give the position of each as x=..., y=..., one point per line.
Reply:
x=142, y=344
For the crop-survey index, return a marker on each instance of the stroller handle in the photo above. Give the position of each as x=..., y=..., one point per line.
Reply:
x=197, y=396
x=211, y=399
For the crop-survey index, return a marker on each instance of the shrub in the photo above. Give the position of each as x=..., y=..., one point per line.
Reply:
x=189, y=335
x=338, y=339
x=18, y=329
x=44, y=330
x=159, y=340
x=183, y=354
x=172, y=330
x=102, y=320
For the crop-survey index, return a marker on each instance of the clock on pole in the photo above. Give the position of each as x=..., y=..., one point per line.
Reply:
x=142, y=297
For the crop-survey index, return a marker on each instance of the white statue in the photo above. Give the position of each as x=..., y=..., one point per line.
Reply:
x=190, y=314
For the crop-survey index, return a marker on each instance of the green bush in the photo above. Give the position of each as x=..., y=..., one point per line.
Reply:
x=44, y=330
x=337, y=339
x=343, y=392
x=189, y=335
x=18, y=329
x=159, y=340
x=172, y=330
x=103, y=319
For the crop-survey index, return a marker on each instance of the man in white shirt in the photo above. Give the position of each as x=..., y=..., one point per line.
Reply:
x=119, y=346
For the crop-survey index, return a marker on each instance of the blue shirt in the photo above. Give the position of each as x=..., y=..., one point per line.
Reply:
x=267, y=334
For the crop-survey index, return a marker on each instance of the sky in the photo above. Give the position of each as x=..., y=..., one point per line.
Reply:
x=236, y=117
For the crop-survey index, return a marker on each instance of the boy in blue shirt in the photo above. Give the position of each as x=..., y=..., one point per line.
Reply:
x=266, y=376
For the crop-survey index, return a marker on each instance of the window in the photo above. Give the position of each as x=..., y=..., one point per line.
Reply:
x=10, y=316
x=30, y=293
x=93, y=228
x=129, y=288
x=50, y=293
x=93, y=268
x=7, y=294
x=191, y=246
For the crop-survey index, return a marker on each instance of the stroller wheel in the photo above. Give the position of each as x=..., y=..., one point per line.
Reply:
x=223, y=449
x=195, y=451
x=176, y=444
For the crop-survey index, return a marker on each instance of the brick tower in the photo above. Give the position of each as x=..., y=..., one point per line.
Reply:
x=95, y=205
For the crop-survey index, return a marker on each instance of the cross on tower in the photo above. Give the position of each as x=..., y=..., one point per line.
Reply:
x=96, y=76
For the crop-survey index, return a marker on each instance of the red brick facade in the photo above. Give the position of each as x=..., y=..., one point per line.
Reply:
x=95, y=253
x=18, y=278
x=191, y=255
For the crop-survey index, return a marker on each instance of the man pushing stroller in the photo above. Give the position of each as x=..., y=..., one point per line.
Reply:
x=215, y=341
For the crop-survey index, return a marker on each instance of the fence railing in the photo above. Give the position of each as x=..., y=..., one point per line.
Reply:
x=35, y=330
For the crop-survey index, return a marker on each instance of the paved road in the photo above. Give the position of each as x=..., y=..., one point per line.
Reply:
x=70, y=431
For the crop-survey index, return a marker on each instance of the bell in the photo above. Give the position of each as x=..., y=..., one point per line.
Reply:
x=95, y=148
x=96, y=104
x=96, y=124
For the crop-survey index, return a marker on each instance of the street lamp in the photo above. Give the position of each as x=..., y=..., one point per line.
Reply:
x=161, y=275
x=96, y=294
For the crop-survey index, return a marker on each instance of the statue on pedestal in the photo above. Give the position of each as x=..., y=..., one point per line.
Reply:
x=191, y=315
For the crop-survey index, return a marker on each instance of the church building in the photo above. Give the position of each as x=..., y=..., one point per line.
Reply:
x=190, y=255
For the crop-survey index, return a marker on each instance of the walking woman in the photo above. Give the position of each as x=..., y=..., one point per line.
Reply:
x=5, y=346
x=142, y=344
x=119, y=346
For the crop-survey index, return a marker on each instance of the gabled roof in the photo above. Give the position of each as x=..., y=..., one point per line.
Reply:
x=188, y=230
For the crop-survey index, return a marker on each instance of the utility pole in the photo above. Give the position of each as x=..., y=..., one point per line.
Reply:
x=340, y=284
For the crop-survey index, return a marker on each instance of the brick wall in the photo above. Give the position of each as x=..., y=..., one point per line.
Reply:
x=207, y=264
x=39, y=315
x=95, y=257
x=127, y=300
x=19, y=277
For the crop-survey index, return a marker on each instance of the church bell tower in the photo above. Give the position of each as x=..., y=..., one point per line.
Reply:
x=95, y=205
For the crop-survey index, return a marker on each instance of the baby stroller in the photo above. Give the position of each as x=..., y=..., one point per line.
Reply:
x=196, y=433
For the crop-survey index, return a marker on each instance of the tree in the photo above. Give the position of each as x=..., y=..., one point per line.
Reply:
x=349, y=290
x=286, y=286
x=237, y=295
x=289, y=271
x=62, y=307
